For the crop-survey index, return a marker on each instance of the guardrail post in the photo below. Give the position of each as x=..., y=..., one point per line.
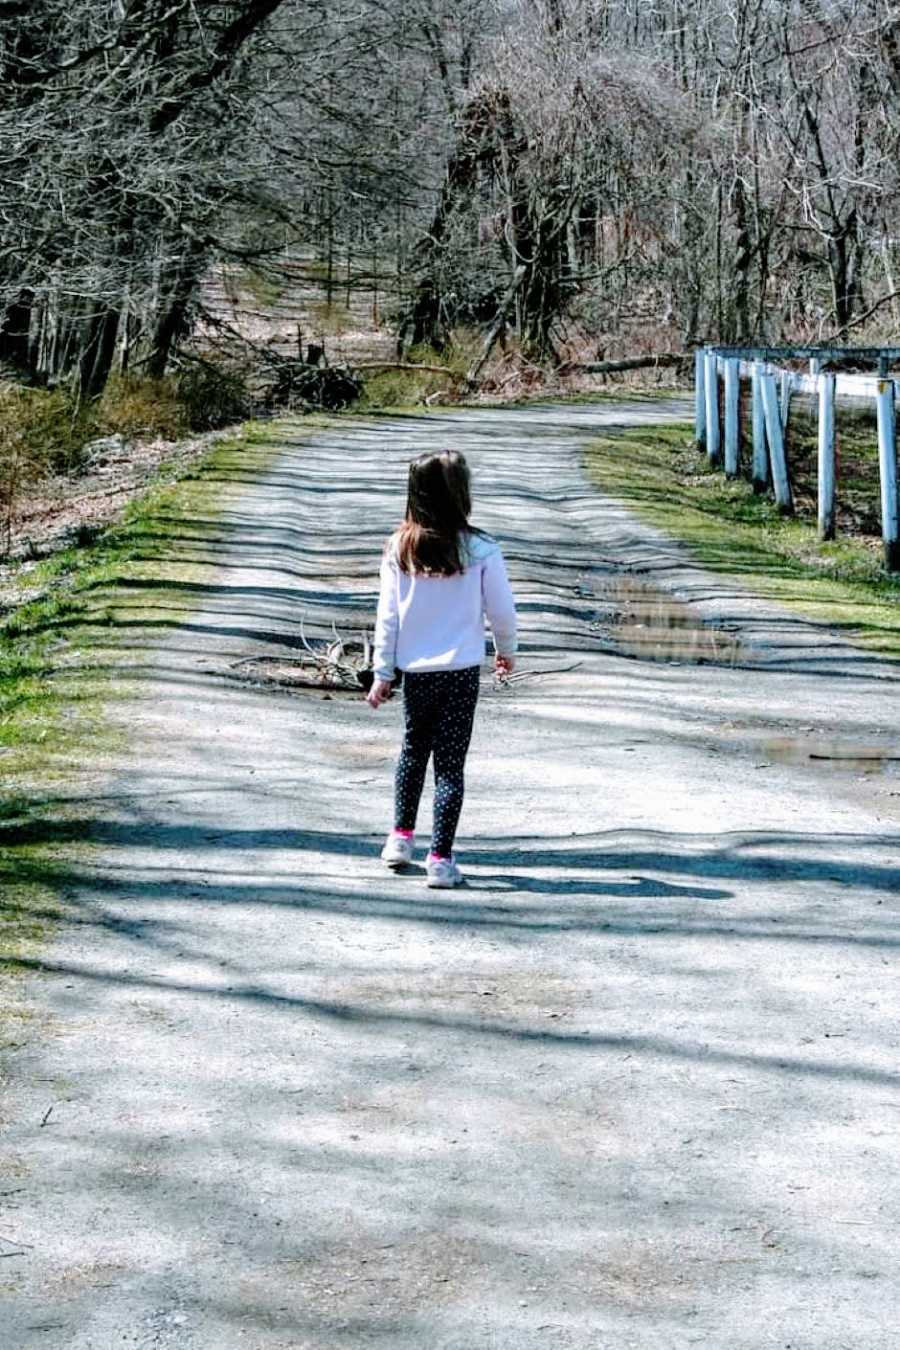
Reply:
x=711, y=384
x=732, y=415
x=787, y=386
x=826, y=456
x=760, y=452
x=700, y=396
x=887, y=461
x=775, y=436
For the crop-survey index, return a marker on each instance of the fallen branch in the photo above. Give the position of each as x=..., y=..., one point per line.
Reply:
x=861, y=318
x=856, y=757
x=535, y=674
x=627, y=363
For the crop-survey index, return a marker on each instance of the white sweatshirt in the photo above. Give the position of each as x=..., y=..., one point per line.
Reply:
x=437, y=623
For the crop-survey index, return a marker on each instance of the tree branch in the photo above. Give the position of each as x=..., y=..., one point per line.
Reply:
x=861, y=318
x=238, y=32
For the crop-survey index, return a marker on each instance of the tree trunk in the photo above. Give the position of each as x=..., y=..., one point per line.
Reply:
x=174, y=319
x=426, y=311
x=15, y=334
x=738, y=311
x=98, y=351
x=840, y=270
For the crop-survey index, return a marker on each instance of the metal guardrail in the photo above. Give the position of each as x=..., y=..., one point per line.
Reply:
x=879, y=356
x=718, y=374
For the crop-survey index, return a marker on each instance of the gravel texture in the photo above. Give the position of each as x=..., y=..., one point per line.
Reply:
x=636, y=1085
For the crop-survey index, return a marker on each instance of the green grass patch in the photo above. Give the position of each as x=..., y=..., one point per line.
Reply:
x=729, y=529
x=391, y=390
x=64, y=658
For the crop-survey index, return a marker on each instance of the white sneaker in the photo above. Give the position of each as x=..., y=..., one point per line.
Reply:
x=398, y=850
x=442, y=873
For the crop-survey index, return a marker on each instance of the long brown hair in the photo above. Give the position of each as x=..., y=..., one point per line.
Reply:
x=438, y=503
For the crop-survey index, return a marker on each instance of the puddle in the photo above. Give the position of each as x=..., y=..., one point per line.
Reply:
x=649, y=624
x=828, y=756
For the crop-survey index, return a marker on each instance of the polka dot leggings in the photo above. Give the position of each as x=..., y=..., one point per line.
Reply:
x=440, y=708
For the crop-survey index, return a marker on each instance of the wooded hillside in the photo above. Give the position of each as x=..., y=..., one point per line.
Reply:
x=569, y=171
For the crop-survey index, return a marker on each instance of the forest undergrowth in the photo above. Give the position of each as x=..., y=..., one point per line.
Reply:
x=46, y=435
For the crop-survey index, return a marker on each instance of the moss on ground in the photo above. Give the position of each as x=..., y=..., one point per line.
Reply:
x=64, y=658
x=661, y=475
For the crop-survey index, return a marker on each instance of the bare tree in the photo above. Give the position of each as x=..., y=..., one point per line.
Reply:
x=547, y=167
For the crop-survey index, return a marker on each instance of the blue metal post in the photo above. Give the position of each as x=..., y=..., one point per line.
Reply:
x=700, y=396
x=787, y=386
x=826, y=473
x=760, y=451
x=783, y=496
x=887, y=461
x=732, y=415
x=711, y=384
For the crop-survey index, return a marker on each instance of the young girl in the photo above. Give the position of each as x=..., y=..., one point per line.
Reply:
x=439, y=578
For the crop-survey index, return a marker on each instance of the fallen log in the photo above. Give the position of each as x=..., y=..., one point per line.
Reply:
x=627, y=363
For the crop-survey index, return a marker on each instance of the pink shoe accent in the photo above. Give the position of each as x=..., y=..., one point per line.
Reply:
x=437, y=857
x=403, y=834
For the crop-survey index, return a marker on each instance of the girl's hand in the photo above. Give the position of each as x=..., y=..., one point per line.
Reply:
x=380, y=692
x=504, y=665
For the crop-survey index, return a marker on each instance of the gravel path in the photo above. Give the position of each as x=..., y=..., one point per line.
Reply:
x=635, y=1086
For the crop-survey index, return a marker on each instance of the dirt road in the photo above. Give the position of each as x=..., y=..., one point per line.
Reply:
x=635, y=1086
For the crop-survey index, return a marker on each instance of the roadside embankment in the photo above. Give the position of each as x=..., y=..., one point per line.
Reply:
x=67, y=650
